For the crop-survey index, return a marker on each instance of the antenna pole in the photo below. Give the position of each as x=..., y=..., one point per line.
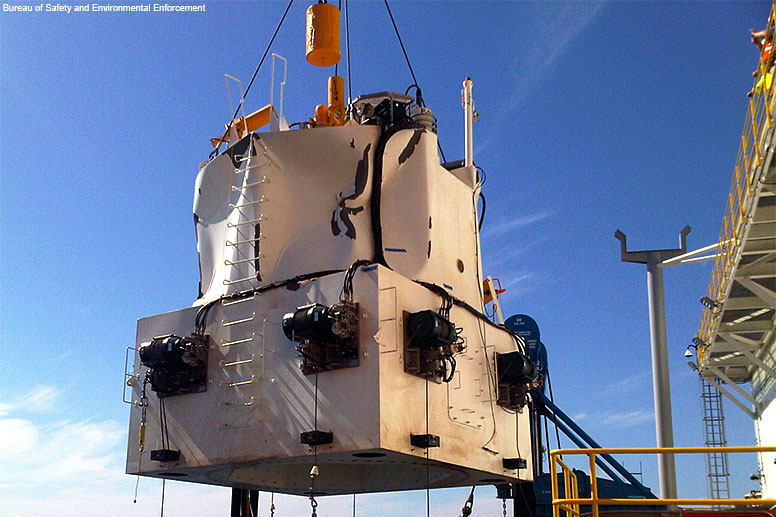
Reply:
x=468, y=106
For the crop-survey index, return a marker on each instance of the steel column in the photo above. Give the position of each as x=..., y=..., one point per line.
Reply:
x=660, y=381
x=655, y=260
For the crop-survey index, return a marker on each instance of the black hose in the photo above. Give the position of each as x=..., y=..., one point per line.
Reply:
x=377, y=184
x=482, y=214
x=442, y=292
x=200, y=321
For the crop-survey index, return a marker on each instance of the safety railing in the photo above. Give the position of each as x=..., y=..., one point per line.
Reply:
x=570, y=488
x=751, y=154
x=571, y=503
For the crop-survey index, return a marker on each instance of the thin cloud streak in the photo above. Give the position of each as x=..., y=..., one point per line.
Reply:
x=624, y=419
x=40, y=398
x=627, y=419
x=538, y=61
x=505, y=227
x=626, y=385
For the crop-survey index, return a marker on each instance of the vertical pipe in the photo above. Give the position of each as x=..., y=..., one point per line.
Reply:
x=468, y=106
x=660, y=382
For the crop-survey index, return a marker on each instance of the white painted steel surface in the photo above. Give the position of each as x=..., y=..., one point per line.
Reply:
x=310, y=193
x=764, y=390
x=300, y=182
x=244, y=430
x=429, y=219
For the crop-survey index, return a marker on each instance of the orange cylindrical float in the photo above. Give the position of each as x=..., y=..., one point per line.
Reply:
x=323, y=34
x=336, y=100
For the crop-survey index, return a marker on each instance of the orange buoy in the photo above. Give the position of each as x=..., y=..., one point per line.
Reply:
x=336, y=101
x=323, y=35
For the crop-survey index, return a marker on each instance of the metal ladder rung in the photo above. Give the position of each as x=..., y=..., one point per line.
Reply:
x=227, y=323
x=239, y=300
x=242, y=170
x=234, y=384
x=243, y=223
x=249, y=185
x=226, y=364
x=227, y=404
x=241, y=261
x=239, y=341
x=250, y=203
x=246, y=279
x=245, y=241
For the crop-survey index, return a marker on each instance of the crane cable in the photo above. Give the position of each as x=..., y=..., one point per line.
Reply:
x=255, y=73
x=406, y=58
x=412, y=72
x=347, y=49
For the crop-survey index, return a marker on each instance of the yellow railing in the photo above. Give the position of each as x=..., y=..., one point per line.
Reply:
x=570, y=488
x=759, y=122
x=570, y=501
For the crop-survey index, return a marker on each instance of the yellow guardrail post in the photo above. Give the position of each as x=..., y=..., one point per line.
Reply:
x=574, y=492
x=593, y=484
x=554, y=484
x=571, y=502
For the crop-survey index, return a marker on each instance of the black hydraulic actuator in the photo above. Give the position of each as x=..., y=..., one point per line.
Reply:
x=327, y=336
x=177, y=365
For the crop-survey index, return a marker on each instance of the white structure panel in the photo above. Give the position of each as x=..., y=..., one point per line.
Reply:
x=429, y=217
x=247, y=435
x=764, y=391
x=312, y=200
x=459, y=411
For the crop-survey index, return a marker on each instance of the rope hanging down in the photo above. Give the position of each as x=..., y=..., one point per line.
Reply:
x=255, y=73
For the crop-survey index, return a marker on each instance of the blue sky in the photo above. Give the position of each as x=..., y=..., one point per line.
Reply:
x=594, y=116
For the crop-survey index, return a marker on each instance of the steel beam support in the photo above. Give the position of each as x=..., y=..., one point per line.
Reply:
x=759, y=290
x=714, y=382
x=741, y=340
x=719, y=373
x=688, y=257
x=748, y=354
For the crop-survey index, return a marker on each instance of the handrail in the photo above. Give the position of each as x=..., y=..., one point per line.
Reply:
x=758, y=123
x=571, y=501
x=570, y=486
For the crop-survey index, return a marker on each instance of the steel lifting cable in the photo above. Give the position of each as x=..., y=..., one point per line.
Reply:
x=406, y=58
x=412, y=72
x=161, y=509
x=347, y=49
x=428, y=474
x=314, y=471
x=336, y=65
x=255, y=73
